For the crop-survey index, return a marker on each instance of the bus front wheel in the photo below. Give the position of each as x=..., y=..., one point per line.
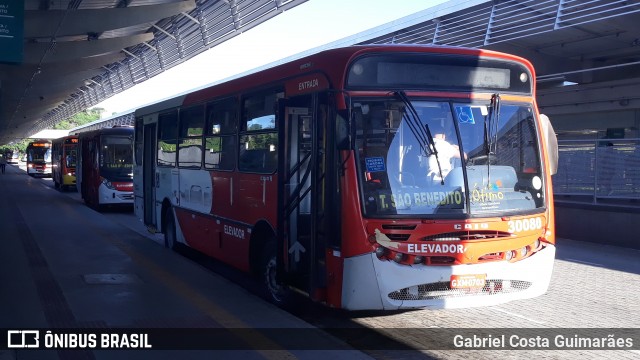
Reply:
x=277, y=293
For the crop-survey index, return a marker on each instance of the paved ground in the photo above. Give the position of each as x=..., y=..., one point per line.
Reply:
x=64, y=265
x=594, y=286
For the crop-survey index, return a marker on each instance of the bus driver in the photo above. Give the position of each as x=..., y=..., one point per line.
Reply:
x=446, y=153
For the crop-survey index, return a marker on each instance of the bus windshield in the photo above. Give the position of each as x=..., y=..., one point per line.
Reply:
x=71, y=155
x=39, y=155
x=116, y=158
x=431, y=158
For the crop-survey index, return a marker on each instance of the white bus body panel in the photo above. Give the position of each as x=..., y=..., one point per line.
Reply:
x=368, y=281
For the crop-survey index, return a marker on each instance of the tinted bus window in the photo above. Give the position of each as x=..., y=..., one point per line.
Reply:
x=167, y=138
x=220, y=143
x=190, y=144
x=259, y=141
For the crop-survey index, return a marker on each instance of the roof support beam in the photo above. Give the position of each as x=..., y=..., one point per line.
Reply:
x=72, y=50
x=51, y=71
x=57, y=23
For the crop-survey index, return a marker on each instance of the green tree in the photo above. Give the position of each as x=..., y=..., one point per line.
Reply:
x=81, y=118
x=19, y=146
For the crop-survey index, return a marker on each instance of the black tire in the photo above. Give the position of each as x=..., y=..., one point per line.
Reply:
x=170, y=240
x=277, y=294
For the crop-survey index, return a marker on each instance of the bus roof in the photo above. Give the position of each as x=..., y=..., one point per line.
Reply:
x=331, y=62
x=116, y=130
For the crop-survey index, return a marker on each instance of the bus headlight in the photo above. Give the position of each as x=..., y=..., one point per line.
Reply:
x=108, y=184
x=509, y=255
x=399, y=257
x=381, y=252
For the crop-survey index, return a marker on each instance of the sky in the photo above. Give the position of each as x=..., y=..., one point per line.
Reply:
x=306, y=26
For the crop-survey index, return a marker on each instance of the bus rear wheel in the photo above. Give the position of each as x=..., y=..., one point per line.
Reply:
x=276, y=293
x=170, y=230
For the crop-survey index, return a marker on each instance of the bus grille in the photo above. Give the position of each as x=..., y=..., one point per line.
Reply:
x=398, y=237
x=398, y=227
x=441, y=290
x=126, y=196
x=467, y=235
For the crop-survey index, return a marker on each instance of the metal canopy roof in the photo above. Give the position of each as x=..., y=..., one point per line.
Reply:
x=78, y=53
x=592, y=43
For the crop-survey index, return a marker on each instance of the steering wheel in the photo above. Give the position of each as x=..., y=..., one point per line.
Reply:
x=408, y=179
x=483, y=160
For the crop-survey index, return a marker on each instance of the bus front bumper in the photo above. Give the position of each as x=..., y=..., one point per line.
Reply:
x=373, y=284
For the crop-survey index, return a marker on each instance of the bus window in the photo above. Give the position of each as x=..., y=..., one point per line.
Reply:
x=220, y=143
x=167, y=138
x=259, y=142
x=190, y=144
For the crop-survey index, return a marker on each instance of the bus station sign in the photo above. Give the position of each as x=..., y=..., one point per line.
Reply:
x=11, y=30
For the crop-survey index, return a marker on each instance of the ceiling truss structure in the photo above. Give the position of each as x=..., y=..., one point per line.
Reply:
x=78, y=53
x=592, y=43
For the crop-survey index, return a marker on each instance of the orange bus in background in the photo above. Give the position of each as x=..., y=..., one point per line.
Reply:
x=325, y=176
x=64, y=154
x=39, y=158
x=104, y=167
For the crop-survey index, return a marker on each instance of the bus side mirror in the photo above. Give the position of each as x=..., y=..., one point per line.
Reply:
x=552, y=143
x=343, y=139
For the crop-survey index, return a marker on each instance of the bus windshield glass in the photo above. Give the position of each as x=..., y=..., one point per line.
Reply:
x=39, y=155
x=116, y=158
x=432, y=158
x=71, y=154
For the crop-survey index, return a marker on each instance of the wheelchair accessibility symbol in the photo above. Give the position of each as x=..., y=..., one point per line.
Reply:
x=465, y=115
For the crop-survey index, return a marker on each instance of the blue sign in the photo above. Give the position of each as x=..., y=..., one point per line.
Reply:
x=11, y=30
x=465, y=115
x=374, y=164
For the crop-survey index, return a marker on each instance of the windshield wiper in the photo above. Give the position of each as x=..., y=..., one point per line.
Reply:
x=491, y=131
x=421, y=133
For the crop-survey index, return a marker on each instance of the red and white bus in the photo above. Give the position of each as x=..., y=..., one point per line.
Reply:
x=314, y=175
x=104, y=172
x=39, y=158
x=64, y=156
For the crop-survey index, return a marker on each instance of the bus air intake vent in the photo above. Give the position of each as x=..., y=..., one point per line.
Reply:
x=467, y=235
x=398, y=227
x=398, y=237
x=442, y=290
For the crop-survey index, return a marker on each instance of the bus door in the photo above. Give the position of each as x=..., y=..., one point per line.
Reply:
x=302, y=183
x=149, y=172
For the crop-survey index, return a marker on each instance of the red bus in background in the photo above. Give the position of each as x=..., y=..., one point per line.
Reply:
x=64, y=155
x=104, y=169
x=325, y=176
x=39, y=158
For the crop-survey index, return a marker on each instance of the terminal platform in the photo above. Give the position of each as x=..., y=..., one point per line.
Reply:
x=64, y=265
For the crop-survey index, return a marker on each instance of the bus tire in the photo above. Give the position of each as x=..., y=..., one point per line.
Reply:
x=170, y=241
x=276, y=293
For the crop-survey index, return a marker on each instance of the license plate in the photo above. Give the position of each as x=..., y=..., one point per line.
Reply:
x=469, y=281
